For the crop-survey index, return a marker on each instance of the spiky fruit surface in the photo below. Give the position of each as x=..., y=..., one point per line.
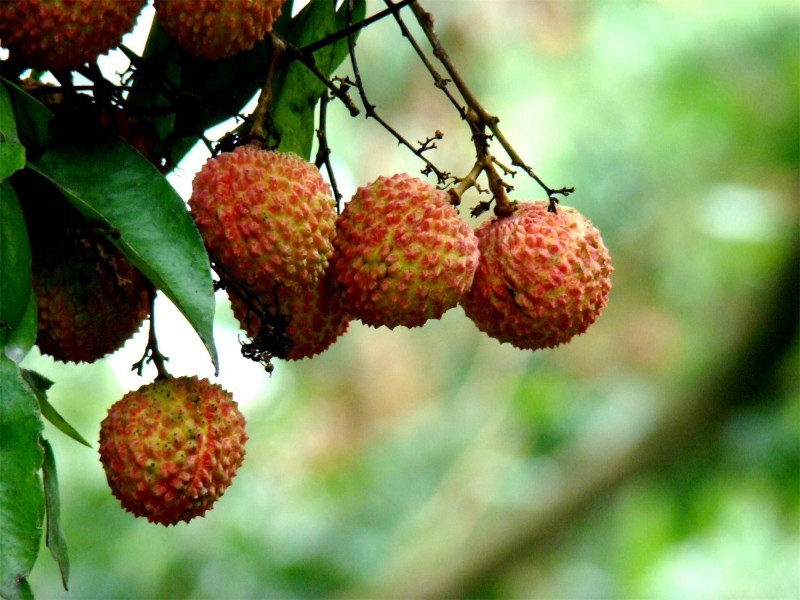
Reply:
x=543, y=277
x=267, y=216
x=64, y=34
x=90, y=298
x=171, y=448
x=315, y=316
x=403, y=254
x=215, y=28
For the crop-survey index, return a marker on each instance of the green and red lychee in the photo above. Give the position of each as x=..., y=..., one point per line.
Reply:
x=267, y=216
x=64, y=34
x=403, y=254
x=214, y=29
x=171, y=448
x=90, y=298
x=314, y=316
x=543, y=277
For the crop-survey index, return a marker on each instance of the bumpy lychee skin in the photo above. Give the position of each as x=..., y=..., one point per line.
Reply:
x=90, y=298
x=543, y=277
x=214, y=29
x=314, y=316
x=64, y=34
x=267, y=216
x=403, y=254
x=171, y=448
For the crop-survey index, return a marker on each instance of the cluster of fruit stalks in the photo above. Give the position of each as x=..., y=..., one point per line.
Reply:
x=297, y=270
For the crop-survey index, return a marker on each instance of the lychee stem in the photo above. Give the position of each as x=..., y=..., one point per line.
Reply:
x=324, y=150
x=151, y=351
x=259, y=116
x=478, y=118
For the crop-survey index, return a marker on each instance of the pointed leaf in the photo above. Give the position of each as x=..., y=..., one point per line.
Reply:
x=40, y=385
x=110, y=182
x=56, y=541
x=21, y=493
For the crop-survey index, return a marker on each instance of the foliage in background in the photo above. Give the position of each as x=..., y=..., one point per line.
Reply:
x=677, y=122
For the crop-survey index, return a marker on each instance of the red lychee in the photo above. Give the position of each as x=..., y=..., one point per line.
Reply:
x=214, y=29
x=171, y=448
x=314, y=317
x=64, y=34
x=403, y=254
x=90, y=298
x=543, y=277
x=266, y=216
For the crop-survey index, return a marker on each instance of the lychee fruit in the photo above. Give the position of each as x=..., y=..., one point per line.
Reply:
x=171, y=448
x=313, y=316
x=543, y=277
x=267, y=216
x=90, y=298
x=64, y=34
x=213, y=29
x=403, y=254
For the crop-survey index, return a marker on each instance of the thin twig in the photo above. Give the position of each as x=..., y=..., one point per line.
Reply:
x=151, y=352
x=324, y=150
x=306, y=57
x=353, y=28
x=480, y=119
x=442, y=177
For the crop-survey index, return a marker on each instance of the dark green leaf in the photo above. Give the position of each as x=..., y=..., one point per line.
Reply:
x=12, y=152
x=32, y=118
x=40, y=385
x=21, y=494
x=56, y=541
x=110, y=182
x=22, y=338
x=297, y=90
x=15, y=261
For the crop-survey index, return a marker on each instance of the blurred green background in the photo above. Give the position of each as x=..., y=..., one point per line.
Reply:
x=656, y=456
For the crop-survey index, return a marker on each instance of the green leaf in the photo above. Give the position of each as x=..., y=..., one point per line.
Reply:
x=15, y=261
x=40, y=384
x=32, y=118
x=297, y=90
x=56, y=541
x=22, y=338
x=12, y=152
x=21, y=493
x=111, y=183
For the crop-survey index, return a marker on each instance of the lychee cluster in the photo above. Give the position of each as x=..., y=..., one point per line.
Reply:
x=171, y=448
x=64, y=34
x=399, y=254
